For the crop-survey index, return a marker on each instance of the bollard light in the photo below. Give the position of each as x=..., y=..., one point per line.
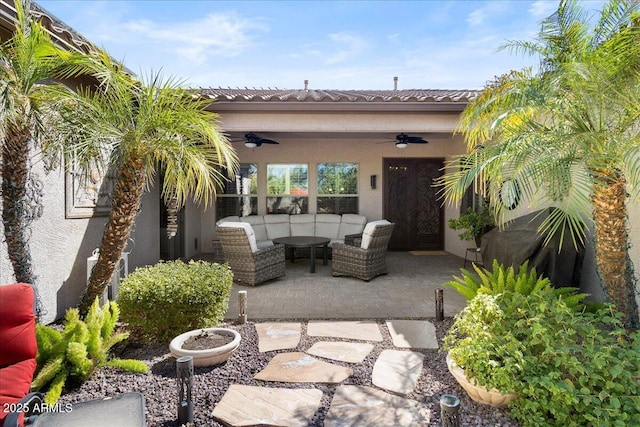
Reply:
x=449, y=407
x=242, y=307
x=439, y=304
x=184, y=367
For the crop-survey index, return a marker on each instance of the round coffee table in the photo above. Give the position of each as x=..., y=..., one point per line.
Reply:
x=310, y=242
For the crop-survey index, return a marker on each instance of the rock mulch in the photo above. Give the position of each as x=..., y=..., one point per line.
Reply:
x=211, y=383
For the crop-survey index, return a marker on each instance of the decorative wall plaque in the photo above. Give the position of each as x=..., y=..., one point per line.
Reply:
x=88, y=194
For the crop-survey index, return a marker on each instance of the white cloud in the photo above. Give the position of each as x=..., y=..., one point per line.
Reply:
x=542, y=8
x=348, y=45
x=216, y=33
x=489, y=11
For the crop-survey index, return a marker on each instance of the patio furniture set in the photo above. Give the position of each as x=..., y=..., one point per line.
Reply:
x=255, y=247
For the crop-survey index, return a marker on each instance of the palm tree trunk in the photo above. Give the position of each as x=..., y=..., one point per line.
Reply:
x=612, y=256
x=16, y=216
x=126, y=199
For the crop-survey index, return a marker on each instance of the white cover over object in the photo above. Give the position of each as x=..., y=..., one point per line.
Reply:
x=247, y=229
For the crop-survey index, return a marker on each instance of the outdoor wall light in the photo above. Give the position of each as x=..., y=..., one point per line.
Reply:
x=373, y=181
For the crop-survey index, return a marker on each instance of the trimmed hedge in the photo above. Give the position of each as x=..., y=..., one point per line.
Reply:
x=162, y=301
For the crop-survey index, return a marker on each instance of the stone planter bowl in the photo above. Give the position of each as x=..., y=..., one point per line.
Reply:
x=476, y=392
x=210, y=356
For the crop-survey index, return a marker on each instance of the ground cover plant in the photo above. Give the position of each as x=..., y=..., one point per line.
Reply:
x=162, y=301
x=567, y=367
x=72, y=355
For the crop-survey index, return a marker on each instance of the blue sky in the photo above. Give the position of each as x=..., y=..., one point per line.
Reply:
x=333, y=44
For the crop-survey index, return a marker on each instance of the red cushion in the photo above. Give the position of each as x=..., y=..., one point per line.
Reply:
x=15, y=383
x=17, y=324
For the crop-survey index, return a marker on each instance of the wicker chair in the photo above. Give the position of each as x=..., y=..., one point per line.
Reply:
x=368, y=260
x=249, y=264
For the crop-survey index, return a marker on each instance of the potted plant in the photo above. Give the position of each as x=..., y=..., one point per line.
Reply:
x=547, y=356
x=474, y=224
x=210, y=346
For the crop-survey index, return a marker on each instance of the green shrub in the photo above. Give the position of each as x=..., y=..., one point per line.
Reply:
x=162, y=301
x=75, y=353
x=500, y=279
x=474, y=223
x=567, y=367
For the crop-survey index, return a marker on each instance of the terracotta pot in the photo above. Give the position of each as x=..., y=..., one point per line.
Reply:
x=476, y=392
x=210, y=356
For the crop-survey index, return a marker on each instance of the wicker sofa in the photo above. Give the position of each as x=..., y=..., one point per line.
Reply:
x=269, y=227
x=367, y=260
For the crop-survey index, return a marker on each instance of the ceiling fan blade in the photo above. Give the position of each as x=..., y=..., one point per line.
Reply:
x=268, y=141
x=416, y=140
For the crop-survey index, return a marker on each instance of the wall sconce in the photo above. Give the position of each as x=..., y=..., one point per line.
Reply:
x=373, y=181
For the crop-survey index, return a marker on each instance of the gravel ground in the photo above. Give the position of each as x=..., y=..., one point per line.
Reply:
x=210, y=383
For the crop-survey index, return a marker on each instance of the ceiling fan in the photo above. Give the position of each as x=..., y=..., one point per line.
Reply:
x=402, y=140
x=251, y=140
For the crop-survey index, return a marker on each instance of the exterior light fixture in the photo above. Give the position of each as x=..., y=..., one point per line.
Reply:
x=250, y=144
x=401, y=144
x=184, y=367
x=449, y=407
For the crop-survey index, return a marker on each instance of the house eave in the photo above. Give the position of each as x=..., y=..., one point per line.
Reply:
x=444, y=107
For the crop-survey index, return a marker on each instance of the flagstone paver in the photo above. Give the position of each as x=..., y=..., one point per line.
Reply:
x=356, y=330
x=397, y=370
x=278, y=335
x=245, y=405
x=349, y=352
x=413, y=333
x=302, y=368
x=362, y=406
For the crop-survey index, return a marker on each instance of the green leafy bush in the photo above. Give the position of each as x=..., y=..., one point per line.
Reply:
x=75, y=353
x=162, y=301
x=567, y=367
x=500, y=279
x=474, y=223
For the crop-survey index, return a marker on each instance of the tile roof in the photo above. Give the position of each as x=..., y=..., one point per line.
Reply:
x=61, y=33
x=313, y=95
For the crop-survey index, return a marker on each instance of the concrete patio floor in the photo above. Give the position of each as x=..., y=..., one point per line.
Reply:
x=407, y=292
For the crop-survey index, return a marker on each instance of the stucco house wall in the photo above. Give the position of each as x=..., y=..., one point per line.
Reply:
x=60, y=246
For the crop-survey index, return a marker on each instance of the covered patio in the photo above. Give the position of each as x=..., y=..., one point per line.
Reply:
x=407, y=292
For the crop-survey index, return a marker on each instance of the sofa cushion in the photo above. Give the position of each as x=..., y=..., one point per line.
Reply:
x=303, y=225
x=368, y=231
x=228, y=219
x=15, y=384
x=247, y=229
x=257, y=223
x=277, y=226
x=17, y=324
x=351, y=224
x=327, y=225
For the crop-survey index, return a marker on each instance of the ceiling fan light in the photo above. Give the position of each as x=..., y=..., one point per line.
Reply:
x=250, y=144
x=401, y=144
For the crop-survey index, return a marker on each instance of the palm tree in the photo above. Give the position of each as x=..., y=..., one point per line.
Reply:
x=27, y=59
x=144, y=127
x=569, y=133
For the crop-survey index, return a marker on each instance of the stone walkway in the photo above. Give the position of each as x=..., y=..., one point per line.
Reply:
x=394, y=375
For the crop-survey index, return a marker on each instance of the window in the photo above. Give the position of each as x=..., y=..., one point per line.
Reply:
x=338, y=188
x=287, y=188
x=240, y=195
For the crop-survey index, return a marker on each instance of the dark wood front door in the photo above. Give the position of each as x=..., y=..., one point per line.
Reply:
x=411, y=202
